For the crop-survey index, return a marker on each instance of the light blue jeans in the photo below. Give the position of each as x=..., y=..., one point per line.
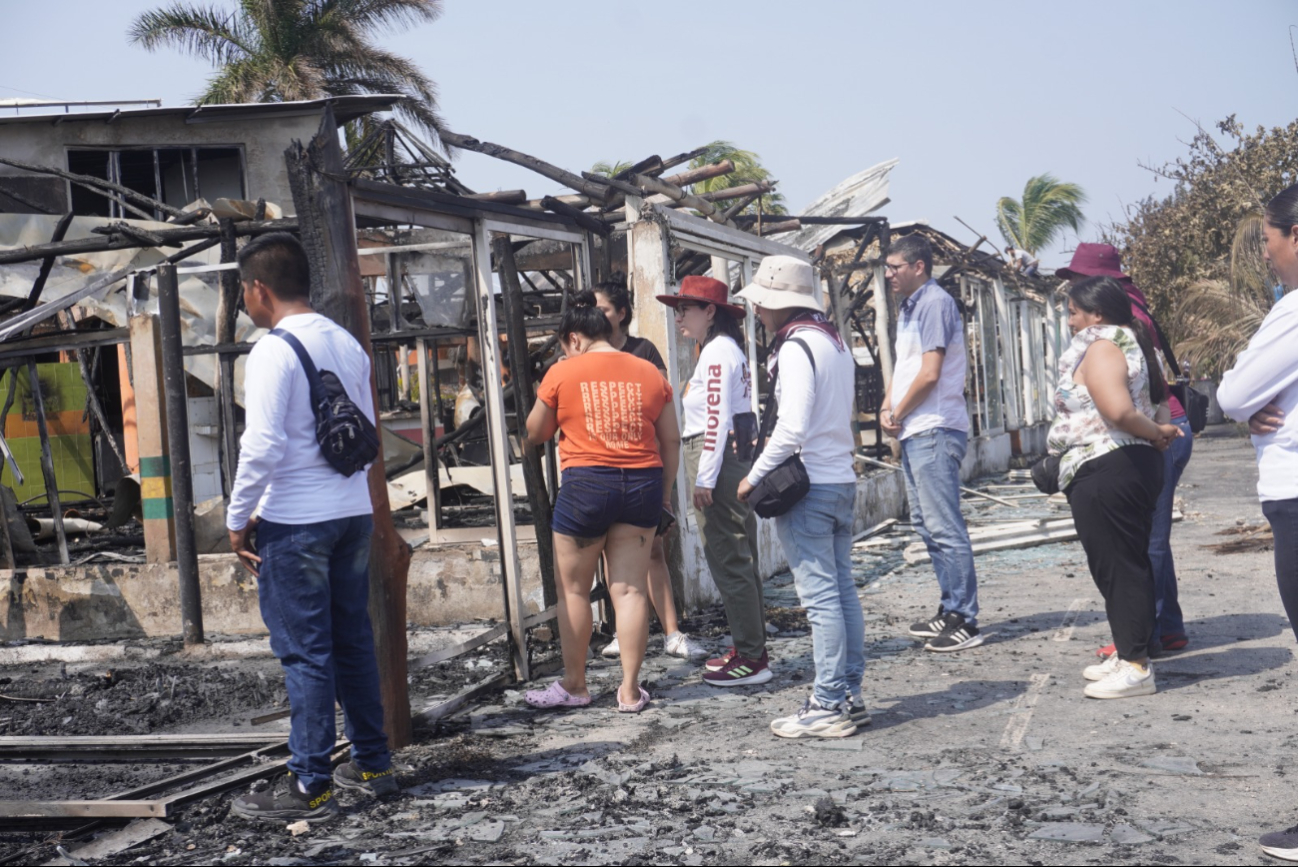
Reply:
x=931, y=463
x=816, y=535
x=1170, y=620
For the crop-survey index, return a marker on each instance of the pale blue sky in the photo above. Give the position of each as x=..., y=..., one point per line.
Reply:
x=974, y=98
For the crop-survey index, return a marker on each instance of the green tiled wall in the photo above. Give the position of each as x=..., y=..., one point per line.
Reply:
x=70, y=443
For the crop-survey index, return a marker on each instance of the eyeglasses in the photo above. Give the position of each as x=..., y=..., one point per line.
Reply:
x=888, y=266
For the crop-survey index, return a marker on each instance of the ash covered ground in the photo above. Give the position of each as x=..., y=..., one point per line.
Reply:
x=991, y=756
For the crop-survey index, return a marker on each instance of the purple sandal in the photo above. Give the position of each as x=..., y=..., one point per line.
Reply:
x=554, y=695
x=632, y=708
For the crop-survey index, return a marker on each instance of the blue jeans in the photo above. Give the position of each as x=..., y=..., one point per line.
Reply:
x=931, y=463
x=592, y=499
x=1170, y=620
x=314, y=596
x=816, y=535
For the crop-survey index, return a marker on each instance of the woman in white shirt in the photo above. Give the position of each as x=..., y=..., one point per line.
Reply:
x=1262, y=387
x=719, y=389
x=1108, y=444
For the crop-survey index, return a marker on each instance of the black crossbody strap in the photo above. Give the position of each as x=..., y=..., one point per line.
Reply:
x=312, y=375
x=1162, y=338
x=773, y=408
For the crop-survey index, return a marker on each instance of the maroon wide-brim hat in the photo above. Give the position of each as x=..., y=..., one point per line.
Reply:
x=703, y=290
x=1094, y=260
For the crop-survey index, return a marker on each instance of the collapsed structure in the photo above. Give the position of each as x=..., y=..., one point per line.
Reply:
x=117, y=245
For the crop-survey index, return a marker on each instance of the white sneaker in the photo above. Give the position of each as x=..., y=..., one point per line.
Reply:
x=611, y=650
x=681, y=645
x=1101, y=670
x=816, y=721
x=1126, y=680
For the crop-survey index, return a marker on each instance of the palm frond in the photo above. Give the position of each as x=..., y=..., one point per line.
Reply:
x=371, y=15
x=204, y=32
x=1009, y=219
x=608, y=169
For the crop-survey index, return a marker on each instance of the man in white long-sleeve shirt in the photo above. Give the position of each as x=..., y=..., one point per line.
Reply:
x=312, y=541
x=814, y=382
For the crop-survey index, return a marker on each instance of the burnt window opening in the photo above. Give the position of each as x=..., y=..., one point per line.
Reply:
x=173, y=176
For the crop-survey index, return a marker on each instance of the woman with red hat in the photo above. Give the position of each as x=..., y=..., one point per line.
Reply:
x=719, y=389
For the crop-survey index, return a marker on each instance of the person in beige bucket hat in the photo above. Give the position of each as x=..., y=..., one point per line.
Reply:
x=813, y=382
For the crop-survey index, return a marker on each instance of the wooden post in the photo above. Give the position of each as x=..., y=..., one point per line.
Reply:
x=328, y=228
x=154, y=446
x=520, y=368
x=47, y=462
x=227, y=314
x=498, y=440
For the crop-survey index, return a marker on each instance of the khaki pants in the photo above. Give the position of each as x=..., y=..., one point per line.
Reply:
x=729, y=531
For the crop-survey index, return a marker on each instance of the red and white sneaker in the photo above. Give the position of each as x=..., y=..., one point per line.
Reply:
x=720, y=662
x=740, y=672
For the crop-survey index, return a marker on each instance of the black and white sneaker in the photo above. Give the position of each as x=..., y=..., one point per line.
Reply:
x=930, y=628
x=1281, y=844
x=958, y=635
x=857, y=711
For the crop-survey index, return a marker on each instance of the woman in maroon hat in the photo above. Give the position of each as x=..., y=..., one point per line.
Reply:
x=1102, y=260
x=720, y=388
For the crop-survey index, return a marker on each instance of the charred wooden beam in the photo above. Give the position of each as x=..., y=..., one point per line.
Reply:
x=648, y=166
x=731, y=213
x=600, y=192
x=578, y=216
x=504, y=197
x=676, y=194
x=98, y=184
x=775, y=228
x=47, y=462
x=681, y=159
x=169, y=236
x=702, y=173
x=328, y=229
x=138, y=233
x=47, y=264
x=751, y=192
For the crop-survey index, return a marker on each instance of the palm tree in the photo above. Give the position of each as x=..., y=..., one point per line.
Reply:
x=608, y=169
x=1047, y=207
x=748, y=170
x=1216, y=318
x=283, y=50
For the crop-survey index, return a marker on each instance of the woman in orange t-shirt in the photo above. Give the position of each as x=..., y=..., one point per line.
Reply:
x=619, y=448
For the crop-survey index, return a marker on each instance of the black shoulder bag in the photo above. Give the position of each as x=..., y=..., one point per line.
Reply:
x=783, y=487
x=1194, y=401
x=346, y=436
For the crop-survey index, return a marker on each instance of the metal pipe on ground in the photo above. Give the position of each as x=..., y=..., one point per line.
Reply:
x=182, y=480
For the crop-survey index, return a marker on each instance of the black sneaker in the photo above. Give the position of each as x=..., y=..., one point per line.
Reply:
x=348, y=776
x=284, y=801
x=1281, y=844
x=930, y=628
x=958, y=635
x=857, y=710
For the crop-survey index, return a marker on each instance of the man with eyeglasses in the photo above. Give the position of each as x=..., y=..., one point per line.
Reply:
x=925, y=409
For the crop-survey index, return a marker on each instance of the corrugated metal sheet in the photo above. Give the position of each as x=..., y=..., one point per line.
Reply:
x=857, y=196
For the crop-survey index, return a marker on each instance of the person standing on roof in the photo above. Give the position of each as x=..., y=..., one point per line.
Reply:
x=925, y=409
x=312, y=550
x=719, y=391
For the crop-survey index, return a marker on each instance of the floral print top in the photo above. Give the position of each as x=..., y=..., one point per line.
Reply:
x=1079, y=432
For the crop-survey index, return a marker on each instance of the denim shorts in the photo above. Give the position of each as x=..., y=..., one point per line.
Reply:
x=592, y=499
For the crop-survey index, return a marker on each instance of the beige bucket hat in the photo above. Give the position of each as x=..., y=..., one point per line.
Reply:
x=782, y=282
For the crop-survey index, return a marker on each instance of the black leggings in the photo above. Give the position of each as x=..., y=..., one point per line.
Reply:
x=1113, y=499
x=1283, y=517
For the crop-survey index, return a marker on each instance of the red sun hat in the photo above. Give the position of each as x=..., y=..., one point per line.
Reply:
x=703, y=290
x=1094, y=260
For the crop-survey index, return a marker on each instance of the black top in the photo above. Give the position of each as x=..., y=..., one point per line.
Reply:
x=642, y=348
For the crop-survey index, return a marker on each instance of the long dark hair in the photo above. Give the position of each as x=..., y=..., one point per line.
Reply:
x=1105, y=296
x=1282, y=211
x=614, y=289
x=724, y=323
x=585, y=318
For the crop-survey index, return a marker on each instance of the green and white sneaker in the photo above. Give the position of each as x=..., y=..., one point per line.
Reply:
x=814, y=720
x=739, y=671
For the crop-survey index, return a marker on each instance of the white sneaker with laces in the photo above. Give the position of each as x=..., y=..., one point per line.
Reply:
x=1126, y=681
x=611, y=650
x=816, y=721
x=681, y=645
x=1101, y=670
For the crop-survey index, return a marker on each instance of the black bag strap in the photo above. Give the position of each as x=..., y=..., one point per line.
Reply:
x=767, y=426
x=1162, y=338
x=312, y=375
